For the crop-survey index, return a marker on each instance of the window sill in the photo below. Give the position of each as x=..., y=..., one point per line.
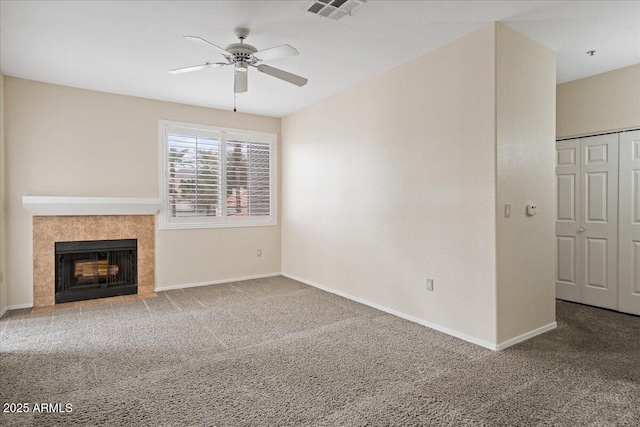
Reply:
x=227, y=225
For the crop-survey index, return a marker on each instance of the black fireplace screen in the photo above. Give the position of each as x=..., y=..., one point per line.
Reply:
x=96, y=269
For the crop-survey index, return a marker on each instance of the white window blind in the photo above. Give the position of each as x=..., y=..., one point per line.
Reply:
x=216, y=177
x=194, y=185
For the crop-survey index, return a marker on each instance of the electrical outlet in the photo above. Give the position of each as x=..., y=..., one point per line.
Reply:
x=430, y=284
x=259, y=252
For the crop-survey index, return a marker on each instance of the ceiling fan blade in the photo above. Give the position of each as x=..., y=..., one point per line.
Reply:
x=208, y=43
x=240, y=82
x=197, y=67
x=282, y=75
x=276, y=52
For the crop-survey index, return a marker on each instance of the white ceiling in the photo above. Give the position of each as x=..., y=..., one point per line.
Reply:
x=126, y=47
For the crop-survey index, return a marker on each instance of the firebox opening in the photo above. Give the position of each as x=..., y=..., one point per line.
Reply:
x=95, y=269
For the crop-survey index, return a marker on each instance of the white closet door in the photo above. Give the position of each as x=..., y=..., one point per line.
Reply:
x=568, y=222
x=629, y=288
x=599, y=213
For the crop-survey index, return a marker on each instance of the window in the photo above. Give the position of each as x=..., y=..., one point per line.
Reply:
x=216, y=177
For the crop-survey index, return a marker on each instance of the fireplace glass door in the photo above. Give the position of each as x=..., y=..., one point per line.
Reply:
x=95, y=269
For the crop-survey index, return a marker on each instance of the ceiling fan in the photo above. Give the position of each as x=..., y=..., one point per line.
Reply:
x=242, y=56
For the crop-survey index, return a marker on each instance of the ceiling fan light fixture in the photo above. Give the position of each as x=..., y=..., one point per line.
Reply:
x=242, y=67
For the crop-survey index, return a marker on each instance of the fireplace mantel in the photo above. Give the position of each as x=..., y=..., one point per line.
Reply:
x=78, y=206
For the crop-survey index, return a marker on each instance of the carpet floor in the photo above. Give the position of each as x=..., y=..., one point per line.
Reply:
x=277, y=352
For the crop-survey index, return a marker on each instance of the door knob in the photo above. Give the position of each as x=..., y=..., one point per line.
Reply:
x=582, y=230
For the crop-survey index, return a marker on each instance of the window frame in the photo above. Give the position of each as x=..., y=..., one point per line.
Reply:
x=168, y=223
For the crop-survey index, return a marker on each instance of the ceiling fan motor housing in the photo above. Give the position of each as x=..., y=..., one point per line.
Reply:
x=241, y=53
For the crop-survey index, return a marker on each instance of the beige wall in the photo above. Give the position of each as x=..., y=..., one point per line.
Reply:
x=3, y=283
x=62, y=141
x=404, y=178
x=393, y=181
x=600, y=103
x=525, y=106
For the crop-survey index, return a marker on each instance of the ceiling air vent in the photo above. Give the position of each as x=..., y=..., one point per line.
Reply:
x=333, y=9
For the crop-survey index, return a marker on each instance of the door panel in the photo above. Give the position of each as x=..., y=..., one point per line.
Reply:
x=599, y=211
x=597, y=154
x=636, y=269
x=635, y=202
x=566, y=197
x=566, y=157
x=629, y=284
x=596, y=266
x=566, y=268
x=587, y=219
x=596, y=194
x=568, y=274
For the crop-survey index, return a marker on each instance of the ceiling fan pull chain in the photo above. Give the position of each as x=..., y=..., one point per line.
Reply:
x=234, y=102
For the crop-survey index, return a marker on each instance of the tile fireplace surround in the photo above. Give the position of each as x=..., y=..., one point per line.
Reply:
x=68, y=219
x=47, y=230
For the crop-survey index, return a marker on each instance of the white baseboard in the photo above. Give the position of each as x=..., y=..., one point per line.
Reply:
x=468, y=338
x=214, y=282
x=15, y=307
x=526, y=336
x=443, y=329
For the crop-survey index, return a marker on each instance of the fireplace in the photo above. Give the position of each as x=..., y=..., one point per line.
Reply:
x=49, y=229
x=95, y=269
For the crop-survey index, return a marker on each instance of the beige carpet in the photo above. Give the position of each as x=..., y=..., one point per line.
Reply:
x=276, y=352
